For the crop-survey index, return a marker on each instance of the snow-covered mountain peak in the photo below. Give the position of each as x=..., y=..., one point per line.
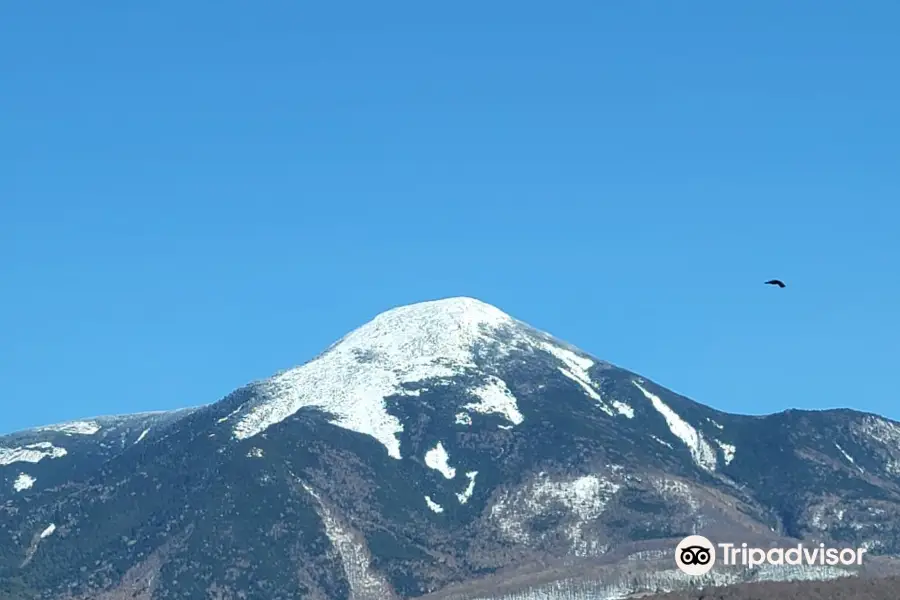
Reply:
x=462, y=310
x=404, y=345
x=446, y=329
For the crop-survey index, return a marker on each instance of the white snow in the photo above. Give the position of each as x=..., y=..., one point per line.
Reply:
x=714, y=423
x=887, y=434
x=817, y=514
x=623, y=409
x=576, y=368
x=496, y=398
x=847, y=456
x=578, y=364
x=255, y=453
x=74, y=427
x=590, y=391
x=365, y=582
x=701, y=451
x=463, y=419
x=586, y=497
x=351, y=379
x=464, y=497
x=229, y=415
x=32, y=453
x=438, y=459
x=434, y=506
x=727, y=451
x=677, y=489
x=49, y=531
x=143, y=435
x=664, y=443
x=23, y=482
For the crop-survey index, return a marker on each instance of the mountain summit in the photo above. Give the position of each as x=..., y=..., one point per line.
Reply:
x=394, y=354
x=381, y=359
x=443, y=450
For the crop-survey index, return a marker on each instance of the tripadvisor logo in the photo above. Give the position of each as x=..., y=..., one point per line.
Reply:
x=696, y=555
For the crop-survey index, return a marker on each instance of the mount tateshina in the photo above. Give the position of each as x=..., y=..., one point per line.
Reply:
x=443, y=450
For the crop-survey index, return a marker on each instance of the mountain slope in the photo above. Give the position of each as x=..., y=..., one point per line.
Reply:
x=442, y=449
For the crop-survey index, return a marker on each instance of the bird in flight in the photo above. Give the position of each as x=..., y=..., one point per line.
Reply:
x=777, y=282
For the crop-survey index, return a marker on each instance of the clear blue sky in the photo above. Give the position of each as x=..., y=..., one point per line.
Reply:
x=194, y=195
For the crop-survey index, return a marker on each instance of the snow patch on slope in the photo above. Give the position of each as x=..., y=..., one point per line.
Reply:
x=887, y=435
x=590, y=391
x=463, y=419
x=677, y=490
x=351, y=379
x=467, y=493
x=74, y=427
x=584, y=497
x=229, y=415
x=664, y=443
x=727, y=451
x=623, y=409
x=365, y=582
x=434, y=506
x=496, y=398
x=849, y=458
x=143, y=435
x=701, y=451
x=23, y=482
x=438, y=459
x=579, y=365
x=576, y=368
x=32, y=453
x=48, y=531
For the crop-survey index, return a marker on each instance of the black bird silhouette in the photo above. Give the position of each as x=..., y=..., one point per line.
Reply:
x=777, y=282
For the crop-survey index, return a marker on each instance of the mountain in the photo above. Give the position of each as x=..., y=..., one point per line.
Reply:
x=443, y=450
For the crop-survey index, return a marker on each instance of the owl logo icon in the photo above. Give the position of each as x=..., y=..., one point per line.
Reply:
x=695, y=555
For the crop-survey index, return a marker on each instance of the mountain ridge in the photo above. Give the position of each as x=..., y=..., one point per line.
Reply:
x=453, y=302
x=417, y=342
